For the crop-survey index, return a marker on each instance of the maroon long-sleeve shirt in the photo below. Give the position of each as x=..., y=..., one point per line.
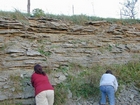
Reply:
x=40, y=83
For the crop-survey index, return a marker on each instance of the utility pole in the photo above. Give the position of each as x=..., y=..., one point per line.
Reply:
x=93, y=8
x=28, y=7
x=73, y=9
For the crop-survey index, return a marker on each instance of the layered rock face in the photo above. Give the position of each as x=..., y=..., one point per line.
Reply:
x=54, y=43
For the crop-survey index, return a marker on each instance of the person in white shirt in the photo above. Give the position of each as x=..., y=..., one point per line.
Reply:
x=108, y=87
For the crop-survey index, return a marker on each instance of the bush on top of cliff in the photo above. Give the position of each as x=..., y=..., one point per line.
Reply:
x=38, y=13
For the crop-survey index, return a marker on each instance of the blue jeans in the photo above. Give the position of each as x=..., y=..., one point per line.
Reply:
x=107, y=90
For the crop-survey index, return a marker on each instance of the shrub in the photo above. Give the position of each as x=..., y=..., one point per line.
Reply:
x=38, y=13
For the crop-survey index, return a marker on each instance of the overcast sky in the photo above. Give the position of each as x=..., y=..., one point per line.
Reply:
x=100, y=8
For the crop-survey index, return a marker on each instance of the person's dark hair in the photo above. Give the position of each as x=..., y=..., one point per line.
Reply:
x=108, y=72
x=38, y=69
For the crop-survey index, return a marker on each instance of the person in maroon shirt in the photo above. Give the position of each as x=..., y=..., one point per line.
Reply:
x=44, y=91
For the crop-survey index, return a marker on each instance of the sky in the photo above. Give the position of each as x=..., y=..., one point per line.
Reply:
x=99, y=8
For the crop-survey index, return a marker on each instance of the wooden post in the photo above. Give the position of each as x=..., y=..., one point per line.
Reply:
x=73, y=9
x=28, y=7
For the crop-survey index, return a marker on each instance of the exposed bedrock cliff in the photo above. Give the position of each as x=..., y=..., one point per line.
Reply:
x=54, y=43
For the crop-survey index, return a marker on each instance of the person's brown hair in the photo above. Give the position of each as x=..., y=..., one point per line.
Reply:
x=38, y=69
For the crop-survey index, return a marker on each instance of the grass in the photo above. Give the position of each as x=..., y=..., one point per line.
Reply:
x=75, y=19
x=45, y=53
x=84, y=82
x=129, y=73
x=60, y=94
x=17, y=15
x=9, y=102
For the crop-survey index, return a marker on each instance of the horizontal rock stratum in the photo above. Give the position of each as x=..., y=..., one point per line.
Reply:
x=54, y=43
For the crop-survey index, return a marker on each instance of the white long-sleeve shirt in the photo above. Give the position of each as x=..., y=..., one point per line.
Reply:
x=109, y=79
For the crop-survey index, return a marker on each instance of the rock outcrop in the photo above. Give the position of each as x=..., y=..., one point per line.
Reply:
x=54, y=43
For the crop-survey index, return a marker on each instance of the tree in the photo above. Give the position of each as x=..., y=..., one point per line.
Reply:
x=129, y=9
x=38, y=13
x=28, y=7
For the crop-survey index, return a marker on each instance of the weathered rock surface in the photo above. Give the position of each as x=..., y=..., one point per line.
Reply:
x=53, y=43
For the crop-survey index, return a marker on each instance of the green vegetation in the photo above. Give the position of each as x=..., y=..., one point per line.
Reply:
x=82, y=19
x=75, y=19
x=60, y=94
x=129, y=73
x=41, y=48
x=21, y=17
x=38, y=13
x=15, y=84
x=2, y=48
x=83, y=82
x=10, y=102
x=45, y=53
